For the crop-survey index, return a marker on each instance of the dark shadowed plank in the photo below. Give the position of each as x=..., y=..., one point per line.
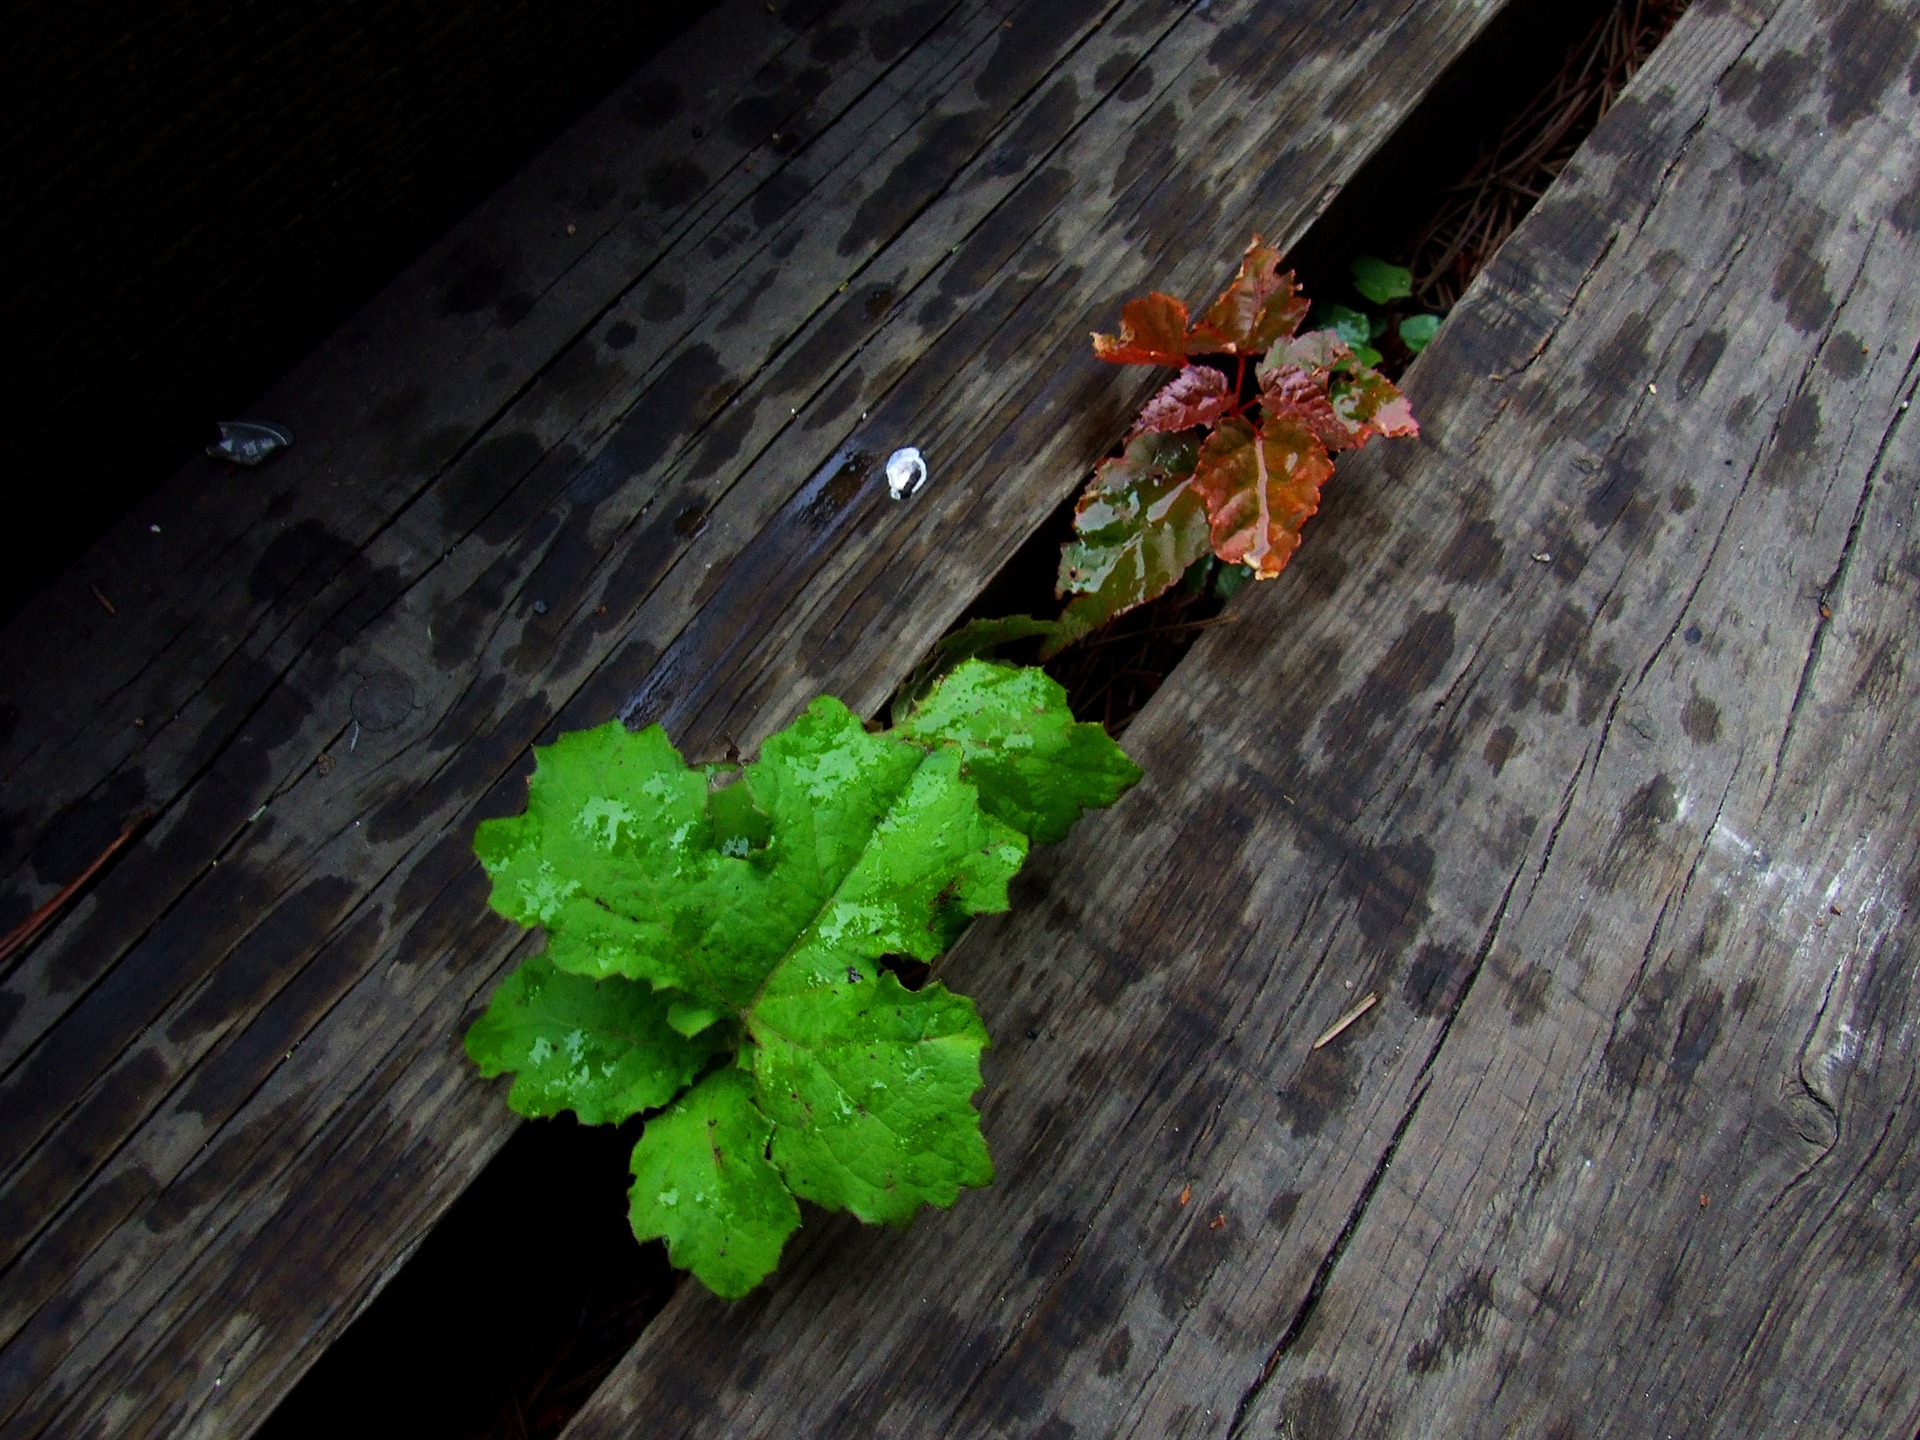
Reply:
x=1580, y=735
x=235, y=1095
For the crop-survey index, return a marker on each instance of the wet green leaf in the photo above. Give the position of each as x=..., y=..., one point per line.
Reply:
x=690, y=912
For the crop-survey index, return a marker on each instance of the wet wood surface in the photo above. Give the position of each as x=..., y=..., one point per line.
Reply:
x=612, y=447
x=1581, y=735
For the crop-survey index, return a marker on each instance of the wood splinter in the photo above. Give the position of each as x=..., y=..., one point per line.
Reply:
x=1333, y=1030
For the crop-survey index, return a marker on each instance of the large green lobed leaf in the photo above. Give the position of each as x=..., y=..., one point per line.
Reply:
x=695, y=912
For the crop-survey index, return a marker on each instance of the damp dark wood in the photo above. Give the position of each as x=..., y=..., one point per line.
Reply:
x=612, y=447
x=1582, y=735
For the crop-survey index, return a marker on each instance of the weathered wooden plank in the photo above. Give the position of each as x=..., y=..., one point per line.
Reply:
x=235, y=1094
x=1580, y=734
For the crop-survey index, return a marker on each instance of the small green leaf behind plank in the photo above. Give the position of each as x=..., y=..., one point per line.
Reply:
x=1417, y=331
x=703, y=1183
x=1380, y=282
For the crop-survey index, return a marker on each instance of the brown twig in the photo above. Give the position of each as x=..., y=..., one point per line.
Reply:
x=23, y=934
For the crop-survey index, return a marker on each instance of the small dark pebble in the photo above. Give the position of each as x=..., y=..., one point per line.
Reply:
x=1033, y=1032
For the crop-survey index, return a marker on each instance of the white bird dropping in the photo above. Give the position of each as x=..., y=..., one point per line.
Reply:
x=906, y=472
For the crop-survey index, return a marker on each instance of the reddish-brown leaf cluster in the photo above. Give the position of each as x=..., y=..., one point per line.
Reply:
x=1213, y=463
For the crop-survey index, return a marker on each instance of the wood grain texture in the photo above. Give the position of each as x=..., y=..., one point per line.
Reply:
x=234, y=1095
x=1582, y=734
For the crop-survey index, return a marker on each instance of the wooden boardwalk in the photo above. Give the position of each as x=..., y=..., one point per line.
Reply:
x=1582, y=735
x=610, y=448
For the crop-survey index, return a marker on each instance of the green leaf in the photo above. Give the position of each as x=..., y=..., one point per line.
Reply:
x=690, y=911
x=975, y=638
x=1381, y=282
x=1139, y=527
x=604, y=1050
x=869, y=1087
x=1353, y=327
x=703, y=1183
x=1417, y=331
x=1227, y=583
x=1036, y=768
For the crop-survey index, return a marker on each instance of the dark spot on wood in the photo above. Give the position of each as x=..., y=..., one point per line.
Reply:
x=1436, y=978
x=841, y=486
x=1056, y=1428
x=1049, y=1243
x=475, y=283
x=1137, y=87
x=1740, y=414
x=723, y=439
x=1114, y=69
x=82, y=831
x=1636, y=838
x=1073, y=1313
x=1800, y=279
x=1180, y=1280
x=1460, y=1327
x=946, y=145
x=1115, y=1353
x=777, y=198
x=1616, y=501
x=1681, y=499
x=1415, y=660
x=1322, y=1087
x=483, y=477
x=1025, y=52
x=1474, y=554
x=1635, y=1051
x=1311, y=1411
x=891, y=36
x=1844, y=355
x=1794, y=440
x=651, y=103
x=514, y=307
x=382, y=701
x=1905, y=215
x=756, y=118
x=1553, y=697
x=1527, y=994
x=1779, y=86
x=1700, y=718
x=1390, y=885
x=683, y=397
x=620, y=335
x=690, y=522
x=597, y=194
x=1700, y=362
x=1868, y=45
x=833, y=43
x=1499, y=748
x=837, y=401
x=673, y=183
x=299, y=563
x=1039, y=130
x=1880, y=681
x=1281, y=1209
x=664, y=301
x=1699, y=1028
x=1743, y=996
x=1692, y=634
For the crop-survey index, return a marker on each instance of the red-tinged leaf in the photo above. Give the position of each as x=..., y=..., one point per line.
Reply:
x=1301, y=395
x=1138, y=528
x=1314, y=379
x=1198, y=395
x=1258, y=308
x=1260, y=487
x=1153, y=331
x=1369, y=404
